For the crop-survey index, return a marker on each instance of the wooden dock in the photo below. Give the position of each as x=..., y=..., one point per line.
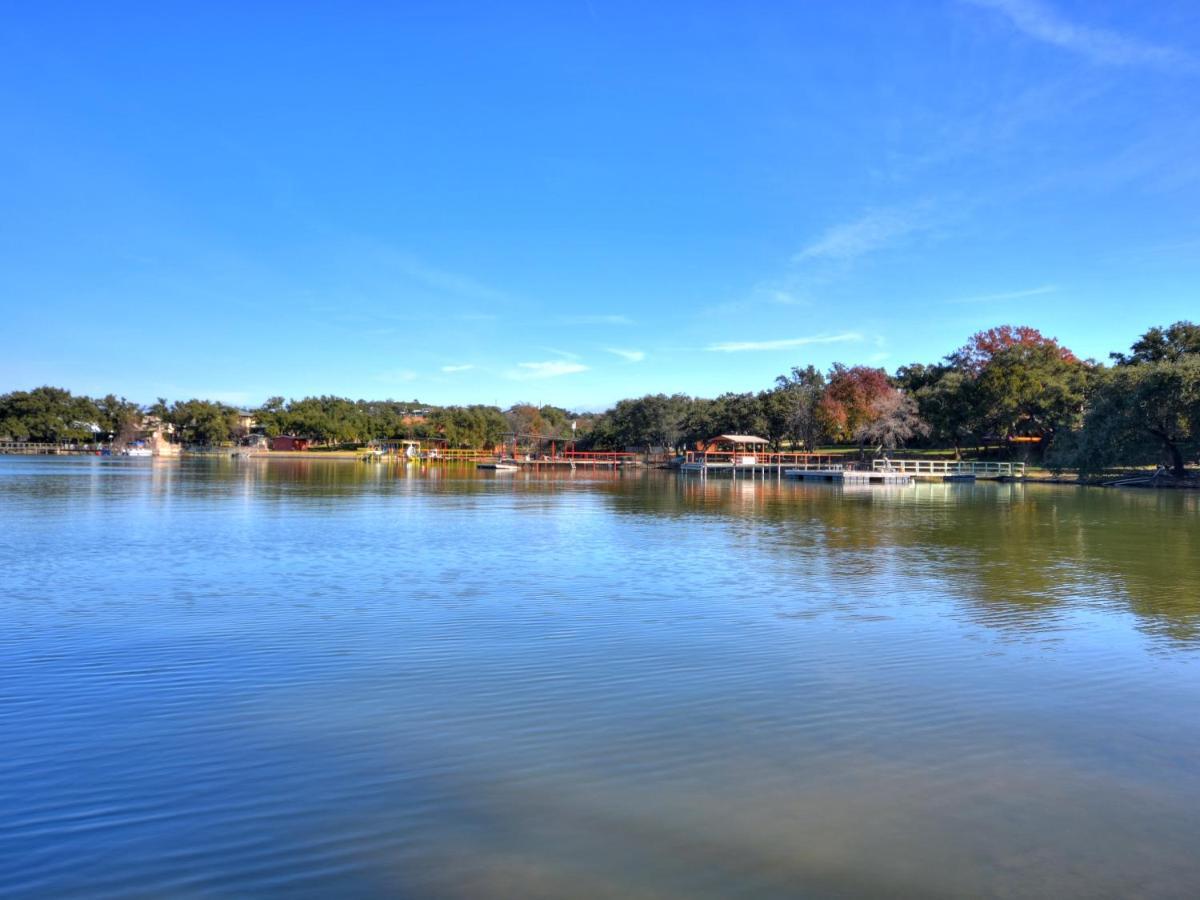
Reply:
x=851, y=476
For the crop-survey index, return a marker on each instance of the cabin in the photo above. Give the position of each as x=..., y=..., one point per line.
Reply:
x=743, y=448
x=289, y=442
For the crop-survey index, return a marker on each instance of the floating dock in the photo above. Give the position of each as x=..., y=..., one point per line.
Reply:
x=851, y=476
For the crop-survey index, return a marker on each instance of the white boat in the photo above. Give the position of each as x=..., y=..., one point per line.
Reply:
x=500, y=465
x=137, y=451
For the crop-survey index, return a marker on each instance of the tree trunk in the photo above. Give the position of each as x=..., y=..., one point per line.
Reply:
x=1177, y=467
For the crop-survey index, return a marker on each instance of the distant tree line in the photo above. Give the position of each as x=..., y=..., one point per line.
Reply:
x=52, y=415
x=1007, y=385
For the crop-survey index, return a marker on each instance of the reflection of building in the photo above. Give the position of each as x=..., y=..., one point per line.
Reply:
x=289, y=442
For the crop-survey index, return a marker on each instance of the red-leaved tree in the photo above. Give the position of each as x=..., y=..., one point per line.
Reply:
x=974, y=356
x=851, y=399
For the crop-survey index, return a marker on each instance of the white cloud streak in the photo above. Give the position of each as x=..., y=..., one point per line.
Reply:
x=877, y=229
x=445, y=282
x=783, y=344
x=1007, y=295
x=463, y=368
x=1042, y=23
x=555, y=368
x=627, y=355
x=596, y=320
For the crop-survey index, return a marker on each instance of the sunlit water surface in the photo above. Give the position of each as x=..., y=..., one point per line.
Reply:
x=320, y=678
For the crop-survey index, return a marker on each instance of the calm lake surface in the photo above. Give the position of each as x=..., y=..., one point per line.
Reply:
x=331, y=678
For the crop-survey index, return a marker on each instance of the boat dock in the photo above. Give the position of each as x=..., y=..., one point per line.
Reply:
x=824, y=467
x=851, y=476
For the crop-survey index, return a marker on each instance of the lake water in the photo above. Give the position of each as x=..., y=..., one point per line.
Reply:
x=331, y=678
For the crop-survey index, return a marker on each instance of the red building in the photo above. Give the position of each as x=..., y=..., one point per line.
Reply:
x=289, y=442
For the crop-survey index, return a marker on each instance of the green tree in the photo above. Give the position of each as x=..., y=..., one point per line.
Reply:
x=1031, y=389
x=1148, y=412
x=119, y=418
x=470, y=427
x=202, y=422
x=1162, y=345
x=950, y=405
x=798, y=399
x=49, y=415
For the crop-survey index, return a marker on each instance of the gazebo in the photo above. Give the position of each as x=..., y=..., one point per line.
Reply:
x=742, y=448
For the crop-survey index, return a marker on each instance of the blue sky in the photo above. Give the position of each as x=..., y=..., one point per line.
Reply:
x=574, y=202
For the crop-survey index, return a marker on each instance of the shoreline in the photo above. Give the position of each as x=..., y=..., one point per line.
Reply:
x=1128, y=480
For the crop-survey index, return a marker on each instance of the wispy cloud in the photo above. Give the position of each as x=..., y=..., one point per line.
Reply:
x=876, y=230
x=783, y=297
x=463, y=368
x=595, y=320
x=784, y=343
x=1006, y=295
x=528, y=371
x=443, y=281
x=1040, y=22
x=627, y=355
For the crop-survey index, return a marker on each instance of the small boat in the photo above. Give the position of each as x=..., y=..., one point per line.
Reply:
x=137, y=451
x=500, y=465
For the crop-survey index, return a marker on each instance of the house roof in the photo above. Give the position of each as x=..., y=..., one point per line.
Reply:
x=738, y=439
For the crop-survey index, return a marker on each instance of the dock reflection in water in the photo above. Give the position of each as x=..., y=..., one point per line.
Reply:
x=266, y=677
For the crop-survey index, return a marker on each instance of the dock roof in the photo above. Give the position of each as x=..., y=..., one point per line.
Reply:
x=738, y=439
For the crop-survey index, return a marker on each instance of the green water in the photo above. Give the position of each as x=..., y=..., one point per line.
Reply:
x=331, y=678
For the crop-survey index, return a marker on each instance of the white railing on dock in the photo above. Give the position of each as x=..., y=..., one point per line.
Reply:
x=950, y=467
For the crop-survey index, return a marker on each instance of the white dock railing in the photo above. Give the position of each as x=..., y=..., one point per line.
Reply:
x=950, y=467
